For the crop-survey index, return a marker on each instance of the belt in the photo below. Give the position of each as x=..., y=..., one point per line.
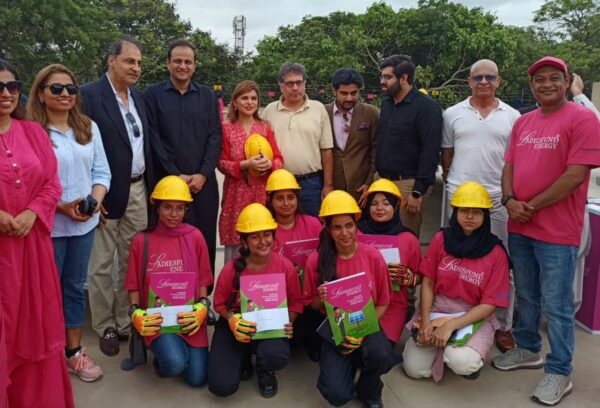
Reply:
x=135, y=179
x=308, y=175
x=396, y=177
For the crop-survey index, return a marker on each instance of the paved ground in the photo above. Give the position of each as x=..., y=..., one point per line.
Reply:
x=141, y=388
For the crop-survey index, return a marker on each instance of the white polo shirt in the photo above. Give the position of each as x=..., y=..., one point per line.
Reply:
x=479, y=144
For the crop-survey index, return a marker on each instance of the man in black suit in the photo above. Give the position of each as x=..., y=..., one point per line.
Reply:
x=118, y=109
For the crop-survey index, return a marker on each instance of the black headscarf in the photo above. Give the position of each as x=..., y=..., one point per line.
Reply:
x=480, y=243
x=367, y=225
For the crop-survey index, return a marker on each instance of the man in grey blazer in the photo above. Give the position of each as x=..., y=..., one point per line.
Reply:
x=354, y=126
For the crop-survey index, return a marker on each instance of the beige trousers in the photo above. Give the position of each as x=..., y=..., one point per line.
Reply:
x=109, y=300
x=419, y=360
x=412, y=221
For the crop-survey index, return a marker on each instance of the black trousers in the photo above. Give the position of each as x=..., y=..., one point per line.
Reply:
x=226, y=358
x=336, y=377
x=305, y=331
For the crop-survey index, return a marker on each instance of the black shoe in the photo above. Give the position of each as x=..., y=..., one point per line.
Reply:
x=473, y=376
x=372, y=404
x=109, y=342
x=267, y=383
x=314, y=355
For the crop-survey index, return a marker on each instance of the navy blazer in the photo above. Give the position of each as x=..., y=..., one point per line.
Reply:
x=100, y=104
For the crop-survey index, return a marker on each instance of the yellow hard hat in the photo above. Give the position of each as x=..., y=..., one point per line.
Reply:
x=339, y=202
x=171, y=188
x=253, y=218
x=424, y=91
x=281, y=180
x=257, y=144
x=384, y=185
x=471, y=194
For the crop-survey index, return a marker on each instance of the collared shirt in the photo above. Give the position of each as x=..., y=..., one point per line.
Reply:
x=301, y=134
x=80, y=167
x=479, y=144
x=138, y=164
x=188, y=125
x=409, y=136
x=341, y=125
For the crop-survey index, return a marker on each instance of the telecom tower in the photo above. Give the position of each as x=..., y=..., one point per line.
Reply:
x=239, y=32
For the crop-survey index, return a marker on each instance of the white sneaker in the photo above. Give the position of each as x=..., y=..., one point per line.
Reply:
x=552, y=388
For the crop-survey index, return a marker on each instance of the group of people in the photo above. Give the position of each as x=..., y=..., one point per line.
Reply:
x=104, y=175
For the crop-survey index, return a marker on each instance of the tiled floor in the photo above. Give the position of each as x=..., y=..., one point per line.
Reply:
x=141, y=387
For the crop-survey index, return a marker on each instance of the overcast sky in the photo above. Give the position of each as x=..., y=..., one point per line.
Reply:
x=264, y=17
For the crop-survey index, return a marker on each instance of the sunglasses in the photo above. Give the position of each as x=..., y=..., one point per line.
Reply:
x=14, y=87
x=131, y=119
x=488, y=78
x=57, y=89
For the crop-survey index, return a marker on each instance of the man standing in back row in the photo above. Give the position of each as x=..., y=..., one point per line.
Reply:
x=118, y=108
x=303, y=135
x=408, y=138
x=354, y=127
x=544, y=186
x=475, y=137
x=185, y=117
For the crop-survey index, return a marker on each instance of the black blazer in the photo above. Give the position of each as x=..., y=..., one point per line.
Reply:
x=100, y=104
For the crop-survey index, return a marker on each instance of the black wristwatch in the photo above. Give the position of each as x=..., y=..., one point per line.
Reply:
x=505, y=199
x=132, y=309
x=416, y=194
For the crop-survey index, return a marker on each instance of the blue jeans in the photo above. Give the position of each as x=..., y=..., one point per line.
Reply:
x=176, y=357
x=72, y=255
x=310, y=195
x=544, y=275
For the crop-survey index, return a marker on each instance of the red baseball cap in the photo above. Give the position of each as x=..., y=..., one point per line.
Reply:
x=552, y=61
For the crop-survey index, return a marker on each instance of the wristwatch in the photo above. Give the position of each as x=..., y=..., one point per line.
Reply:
x=505, y=199
x=132, y=309
x=416, y=194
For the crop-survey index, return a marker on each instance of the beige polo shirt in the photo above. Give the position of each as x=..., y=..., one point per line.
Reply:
x=300, y=135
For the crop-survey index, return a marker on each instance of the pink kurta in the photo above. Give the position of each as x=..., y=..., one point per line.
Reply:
x=32, y=334
x=237, y=192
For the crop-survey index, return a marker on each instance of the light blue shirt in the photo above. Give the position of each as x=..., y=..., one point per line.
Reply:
x=80, y=167
x=138, y=164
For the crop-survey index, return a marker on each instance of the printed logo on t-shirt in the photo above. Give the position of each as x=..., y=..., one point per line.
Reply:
x=159, y=262
x=451, y=264
x=539, y=143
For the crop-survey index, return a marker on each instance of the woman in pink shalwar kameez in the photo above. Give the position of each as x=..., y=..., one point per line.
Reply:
x=33, y=372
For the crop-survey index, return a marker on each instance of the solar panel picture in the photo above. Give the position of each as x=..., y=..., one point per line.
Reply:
x=356, y=317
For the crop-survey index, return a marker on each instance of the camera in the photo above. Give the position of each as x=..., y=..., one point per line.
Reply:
x=88, y=206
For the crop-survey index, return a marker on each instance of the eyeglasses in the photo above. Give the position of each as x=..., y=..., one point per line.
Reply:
x=472, y=212
x=131, y=119
x=57, y=89
x=14, y=87
x=489, y=78
x=291, y=84
x=346, y=122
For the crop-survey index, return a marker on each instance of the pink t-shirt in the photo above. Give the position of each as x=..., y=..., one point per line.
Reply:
x=540, y=149
x=167, y=250
x=366, y=259
x=394, y=318
x=277, y=264
x=305, y=227
x=476, y=281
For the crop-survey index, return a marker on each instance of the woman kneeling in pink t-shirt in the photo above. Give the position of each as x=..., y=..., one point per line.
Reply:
x=341, y=255
x=169, y=266
x=465, y=277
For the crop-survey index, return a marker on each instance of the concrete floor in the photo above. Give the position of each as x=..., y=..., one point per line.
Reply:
x=142, y=388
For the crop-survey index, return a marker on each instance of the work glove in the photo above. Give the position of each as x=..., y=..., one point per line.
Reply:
x=192, y=321
x=349, y=344
x=402, y=275
x=241, y=329
x=145, y=324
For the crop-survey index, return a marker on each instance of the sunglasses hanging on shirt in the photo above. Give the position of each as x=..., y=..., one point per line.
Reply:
x=134, y=125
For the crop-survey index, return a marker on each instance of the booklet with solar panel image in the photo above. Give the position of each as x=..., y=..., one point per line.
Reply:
x=170, y=293
x=350, y=308
x=263, y=300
